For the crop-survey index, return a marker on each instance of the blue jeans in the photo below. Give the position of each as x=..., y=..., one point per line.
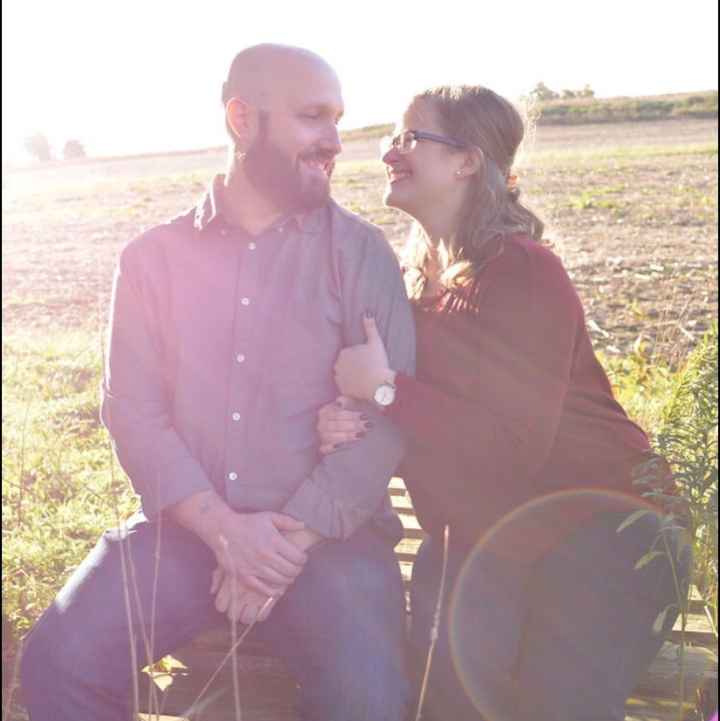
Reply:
x=339, y=628
x=565, y=638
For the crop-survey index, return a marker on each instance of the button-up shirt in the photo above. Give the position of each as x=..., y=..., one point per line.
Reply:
x=222, y=349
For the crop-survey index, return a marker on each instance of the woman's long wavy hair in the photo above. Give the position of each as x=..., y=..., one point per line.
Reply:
x=492, y=210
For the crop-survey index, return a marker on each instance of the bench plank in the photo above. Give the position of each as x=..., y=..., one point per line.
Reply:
x=268, y=694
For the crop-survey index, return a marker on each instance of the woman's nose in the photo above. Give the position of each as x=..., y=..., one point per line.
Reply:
x=390, y=155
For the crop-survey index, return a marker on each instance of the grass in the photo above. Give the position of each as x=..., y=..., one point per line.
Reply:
x=593, y=155
x=623, y=109
x=56, y=488
x=634, y=221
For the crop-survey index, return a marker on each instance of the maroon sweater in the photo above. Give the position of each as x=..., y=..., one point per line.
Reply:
x=509, y=402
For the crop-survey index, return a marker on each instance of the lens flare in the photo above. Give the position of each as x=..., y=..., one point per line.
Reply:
x=498, y=573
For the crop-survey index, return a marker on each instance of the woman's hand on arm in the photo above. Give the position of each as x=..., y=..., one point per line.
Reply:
x=360, y=369
x=338, y=424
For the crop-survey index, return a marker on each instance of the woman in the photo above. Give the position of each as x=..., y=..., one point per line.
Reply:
x=545, y=616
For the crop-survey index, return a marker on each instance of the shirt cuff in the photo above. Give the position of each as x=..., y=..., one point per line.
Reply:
x=322, y=513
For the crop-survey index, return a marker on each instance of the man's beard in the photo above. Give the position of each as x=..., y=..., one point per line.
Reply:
x=278, y=178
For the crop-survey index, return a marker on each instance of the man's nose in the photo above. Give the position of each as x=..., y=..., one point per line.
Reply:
x=331, y=140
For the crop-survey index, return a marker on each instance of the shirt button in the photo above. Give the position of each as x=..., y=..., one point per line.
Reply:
x=252, y=246
x=240, y=358
x=245, y=301
x=232, y=476
x=223, y=231
x=236, y=416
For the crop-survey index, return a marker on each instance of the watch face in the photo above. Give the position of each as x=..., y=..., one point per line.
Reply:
x=385, y=395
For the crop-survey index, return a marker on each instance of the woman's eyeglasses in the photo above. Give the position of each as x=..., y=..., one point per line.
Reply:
x=406, y=141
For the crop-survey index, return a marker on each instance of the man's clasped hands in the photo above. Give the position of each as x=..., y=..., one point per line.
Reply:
x=259, y=556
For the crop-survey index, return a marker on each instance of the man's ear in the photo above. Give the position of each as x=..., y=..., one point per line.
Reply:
x=241, y=119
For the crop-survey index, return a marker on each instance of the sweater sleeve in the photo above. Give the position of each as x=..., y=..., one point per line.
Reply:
x=495, y=400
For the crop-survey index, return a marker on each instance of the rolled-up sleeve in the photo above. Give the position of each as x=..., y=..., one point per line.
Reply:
x=348, y=487
x=135, y=407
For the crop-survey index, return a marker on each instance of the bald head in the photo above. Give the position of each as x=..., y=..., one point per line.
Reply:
x=282, y=109
x=266, y=75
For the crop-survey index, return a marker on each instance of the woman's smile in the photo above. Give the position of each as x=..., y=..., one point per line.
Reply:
x=395, y=175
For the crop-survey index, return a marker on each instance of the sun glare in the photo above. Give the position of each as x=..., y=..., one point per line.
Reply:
x=122, y=82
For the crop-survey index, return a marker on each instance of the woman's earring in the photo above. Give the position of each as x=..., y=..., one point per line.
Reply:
x=240, y=155
x=459, y=173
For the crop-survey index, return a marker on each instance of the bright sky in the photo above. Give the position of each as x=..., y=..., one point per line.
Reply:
x=145, y=75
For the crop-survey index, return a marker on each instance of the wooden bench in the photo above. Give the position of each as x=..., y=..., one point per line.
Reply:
x=268, y=693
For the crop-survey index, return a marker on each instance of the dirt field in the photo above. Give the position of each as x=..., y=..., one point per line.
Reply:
x=632, y=209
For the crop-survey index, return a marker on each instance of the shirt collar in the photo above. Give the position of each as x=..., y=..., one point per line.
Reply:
x=210, y=212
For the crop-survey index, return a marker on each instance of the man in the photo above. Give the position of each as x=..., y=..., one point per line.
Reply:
x=226, y=323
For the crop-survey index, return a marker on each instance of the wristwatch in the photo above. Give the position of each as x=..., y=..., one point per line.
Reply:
x=384, y=394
